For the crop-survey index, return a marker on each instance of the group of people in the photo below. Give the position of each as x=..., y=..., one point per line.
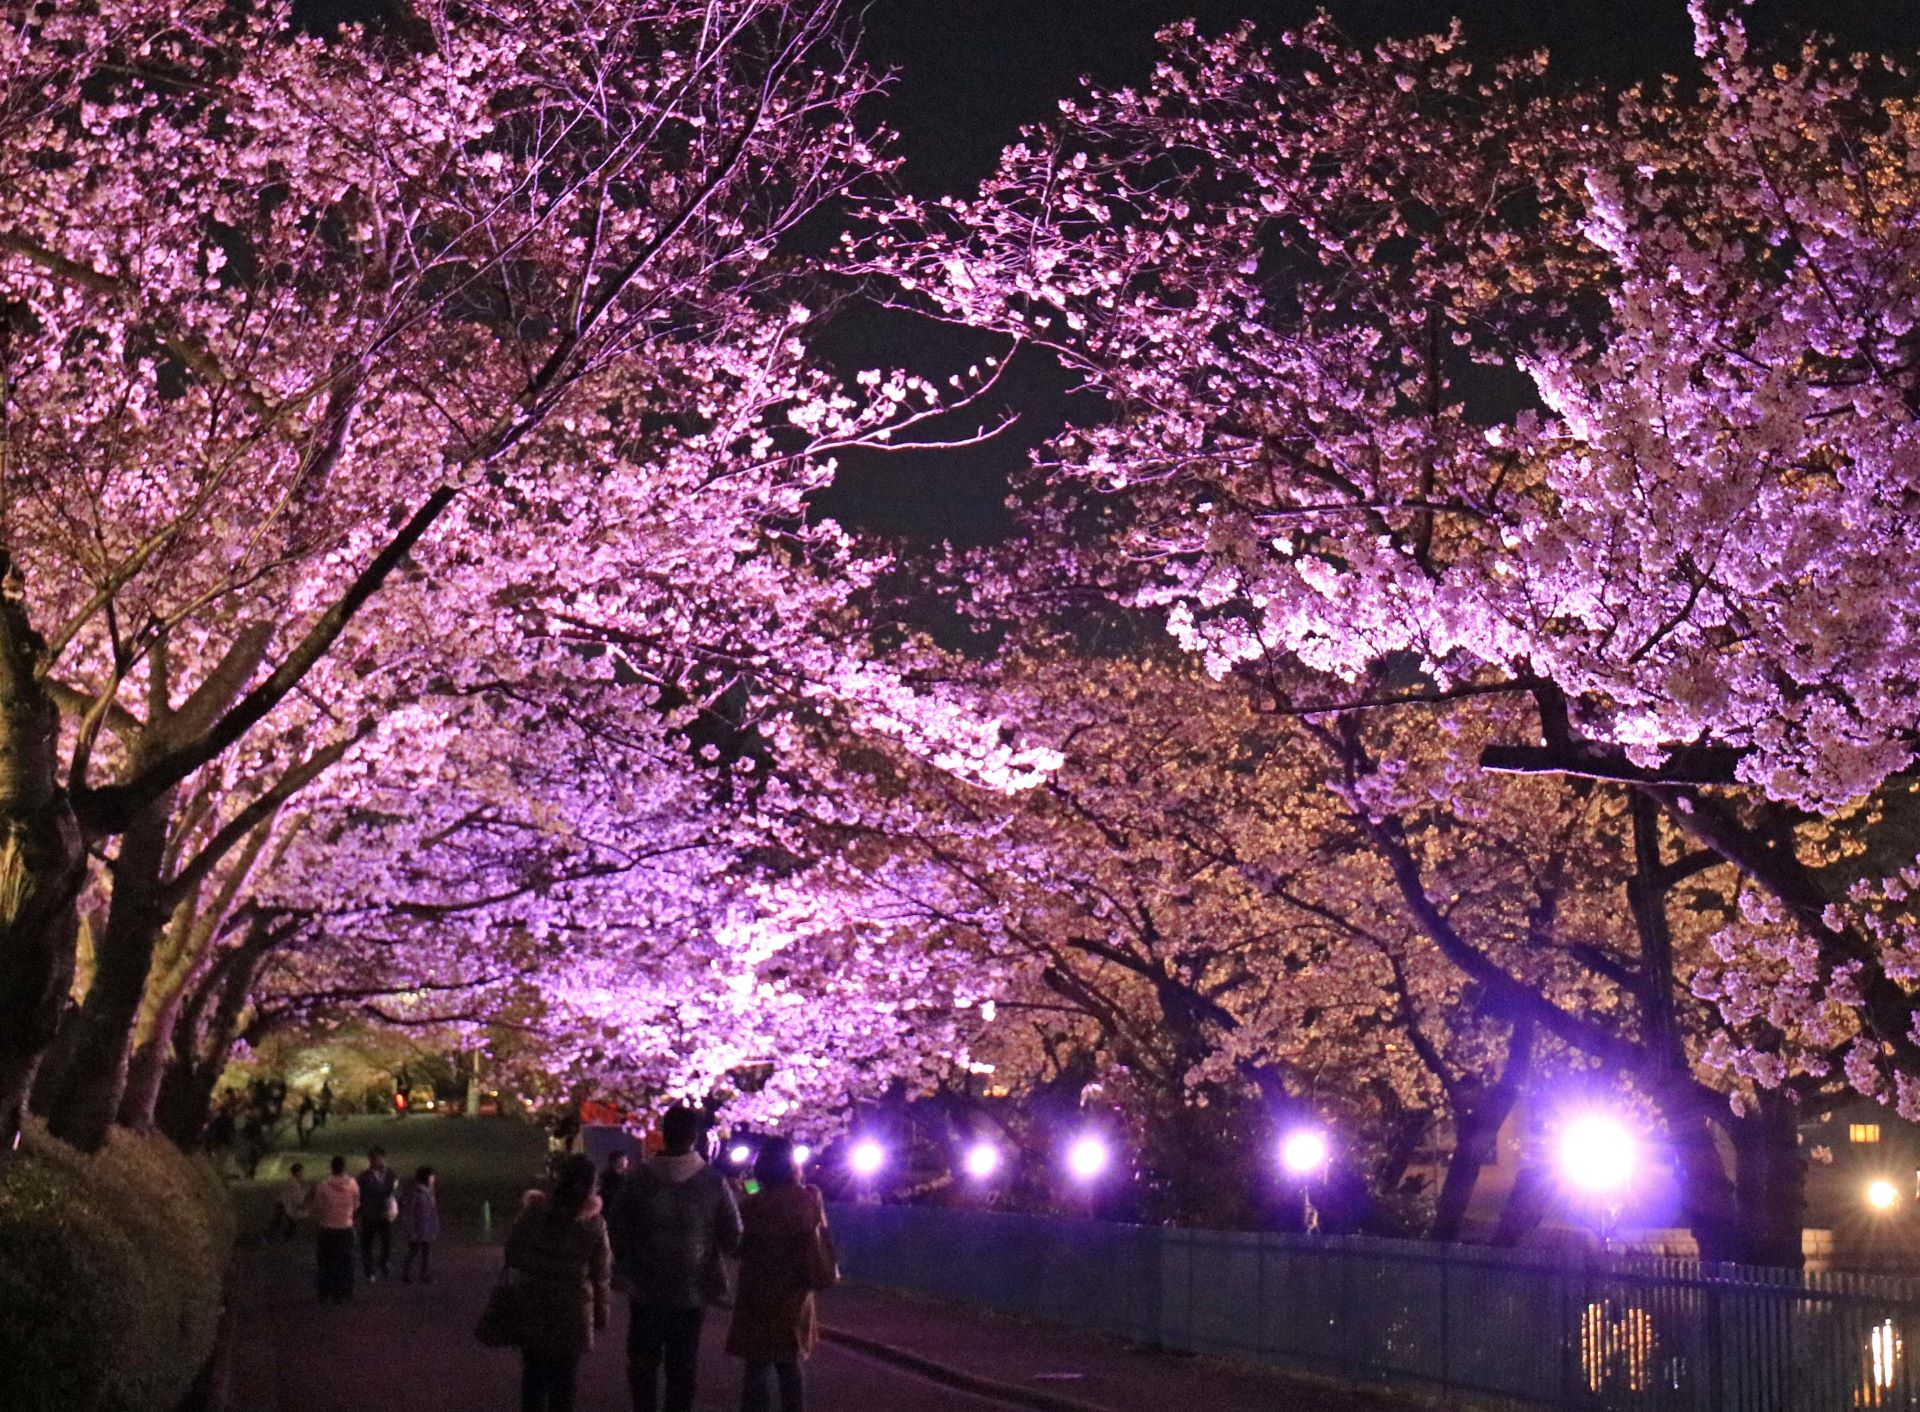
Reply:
x=663, y=1232
x=370, y=1206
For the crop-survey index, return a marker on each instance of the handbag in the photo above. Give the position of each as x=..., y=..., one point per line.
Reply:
x=823, y=1263
x=503, y=1322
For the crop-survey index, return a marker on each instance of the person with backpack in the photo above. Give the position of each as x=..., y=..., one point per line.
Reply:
x=673, y=1221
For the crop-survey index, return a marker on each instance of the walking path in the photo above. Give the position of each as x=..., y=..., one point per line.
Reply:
x=411, y=1348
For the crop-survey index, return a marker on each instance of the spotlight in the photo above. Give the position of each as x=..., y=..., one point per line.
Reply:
x=802, y=1154
x=1882, y=1195
x=982, y=1160
x=867, y=1157
x=1598, y=1154
x=739, y=1154
x=1088, y=1157
x=1304, y=1153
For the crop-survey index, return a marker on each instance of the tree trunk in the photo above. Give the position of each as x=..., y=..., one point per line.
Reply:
x=1476, y=1147
x=1771, y=1183
x=1526, y=1205
x=186, y=1087
x=1707, y=1195
x=84, y=1097
x=42, y=862
x=149, y=1065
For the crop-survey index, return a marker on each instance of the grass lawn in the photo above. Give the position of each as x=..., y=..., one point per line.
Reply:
x=479, y=1161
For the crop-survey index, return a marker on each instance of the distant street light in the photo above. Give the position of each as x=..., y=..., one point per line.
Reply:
x=867, y=1157
x=1088, y=1157
x=982, y=1161
x=1882, y=1195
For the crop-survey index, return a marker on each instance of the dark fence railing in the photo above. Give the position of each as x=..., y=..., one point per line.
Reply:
x=1636, y=1334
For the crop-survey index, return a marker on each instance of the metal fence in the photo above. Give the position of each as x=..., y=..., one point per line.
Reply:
x=1541, y=1329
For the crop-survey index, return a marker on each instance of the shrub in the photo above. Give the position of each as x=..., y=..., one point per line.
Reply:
x=111, y=1267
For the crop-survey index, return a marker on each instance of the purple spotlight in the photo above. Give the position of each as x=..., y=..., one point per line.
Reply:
x=1088, y=1157
x=1305, y=1153
x=1598, y=1154
x=867, y=1157
x=982, y=1161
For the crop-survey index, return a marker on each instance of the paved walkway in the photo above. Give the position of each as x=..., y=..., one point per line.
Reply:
x=410, y=1348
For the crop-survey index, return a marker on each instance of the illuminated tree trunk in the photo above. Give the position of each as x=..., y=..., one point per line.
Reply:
x=84, y=1097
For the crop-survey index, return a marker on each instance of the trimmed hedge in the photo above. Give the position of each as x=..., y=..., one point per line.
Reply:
x=111, y=1273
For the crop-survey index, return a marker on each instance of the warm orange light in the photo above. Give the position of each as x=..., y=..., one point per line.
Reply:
x=1882, y=1195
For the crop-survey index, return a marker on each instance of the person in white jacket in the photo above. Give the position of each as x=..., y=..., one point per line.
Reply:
x=334, y=1202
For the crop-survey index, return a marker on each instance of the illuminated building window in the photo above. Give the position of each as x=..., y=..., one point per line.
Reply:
x=1863, y=1132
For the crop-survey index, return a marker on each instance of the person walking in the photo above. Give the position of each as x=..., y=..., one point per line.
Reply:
x=379, y=1205
x=324, y=1108
x=290, y=1206
x=334, y=1202
x=784, y=1243
x=303, y=1123
x=559, y=1250
x=419, y=1224
x=674, y=1220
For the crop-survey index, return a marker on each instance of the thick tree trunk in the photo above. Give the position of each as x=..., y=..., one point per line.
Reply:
x=201, y=1044
x=84, y=1097
x=1476, y=1147
x=1526, y=1206
x=1771, y=1183
x=1707, y=1195
x=42, y=863
x=149, y=1065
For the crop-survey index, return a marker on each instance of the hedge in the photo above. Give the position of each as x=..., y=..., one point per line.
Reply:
x=111, y=1274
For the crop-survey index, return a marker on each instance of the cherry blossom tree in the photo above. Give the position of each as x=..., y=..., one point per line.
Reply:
x=1450, y=387
x=343, y=371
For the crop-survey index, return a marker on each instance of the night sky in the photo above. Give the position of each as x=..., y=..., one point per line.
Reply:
x=970, y=72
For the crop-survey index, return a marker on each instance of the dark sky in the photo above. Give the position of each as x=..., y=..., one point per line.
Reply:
x=970, y=72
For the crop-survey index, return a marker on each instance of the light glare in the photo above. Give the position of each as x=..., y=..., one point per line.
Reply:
x=1598, y=1154
x=1305, y=1152
x=739, y=1154
x=1087, y=1158
x=983, y=1160
x=802, y=1154
x=867, y=1157
x=1882, y=1194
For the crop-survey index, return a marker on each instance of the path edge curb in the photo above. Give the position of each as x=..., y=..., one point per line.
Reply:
x=958, y=1378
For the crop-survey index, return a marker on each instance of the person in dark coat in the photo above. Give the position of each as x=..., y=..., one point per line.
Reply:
x=674, y=1220
x=559, y=1250
x=379, y=1206
x=773, y=1315
x=613, y=1174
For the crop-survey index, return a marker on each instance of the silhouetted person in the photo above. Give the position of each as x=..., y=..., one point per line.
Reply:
x=773, y=1315
x=379, y=1204
x=559, y=1247
x=419, y=1224
x=674, y=1220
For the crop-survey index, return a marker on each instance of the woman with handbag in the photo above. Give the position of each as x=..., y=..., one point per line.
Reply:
x=785, y=1255
x=560, y=1265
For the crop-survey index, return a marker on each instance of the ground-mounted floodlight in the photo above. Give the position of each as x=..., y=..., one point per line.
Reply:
x=982, y=1161
x=867, y=1157
x=1305, y=1153
x=1882, y=1195
x=1598, y=1154
x=1088, y=1157
x=1305, y=1156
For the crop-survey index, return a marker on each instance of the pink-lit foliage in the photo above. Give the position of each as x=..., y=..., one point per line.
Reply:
x=1444, y=384
x=379, y=406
